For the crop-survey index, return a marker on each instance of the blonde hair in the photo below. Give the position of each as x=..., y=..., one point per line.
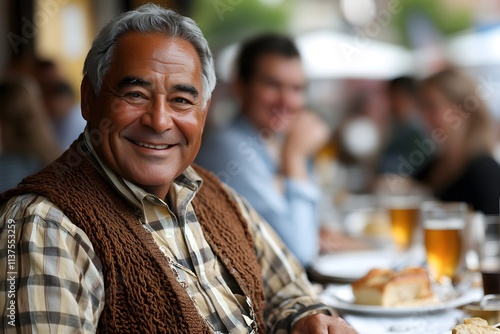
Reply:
x=463, y=92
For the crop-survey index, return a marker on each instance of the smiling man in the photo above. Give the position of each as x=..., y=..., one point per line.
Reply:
x=151, y=95
x=122, y=234
x=266, y=153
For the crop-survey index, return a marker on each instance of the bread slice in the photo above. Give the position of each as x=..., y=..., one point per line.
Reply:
x=385, y=287
x=476, y=322
x=475, y=326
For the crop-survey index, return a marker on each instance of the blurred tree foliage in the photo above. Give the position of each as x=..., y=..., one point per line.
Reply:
x=227, y=21
x=448, y=17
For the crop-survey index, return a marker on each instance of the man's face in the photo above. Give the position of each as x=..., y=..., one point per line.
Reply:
x=152, y=96
x=275, y=93
x=402, y=103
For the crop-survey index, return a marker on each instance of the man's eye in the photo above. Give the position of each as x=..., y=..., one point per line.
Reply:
x=134, y=95
x=180, y=100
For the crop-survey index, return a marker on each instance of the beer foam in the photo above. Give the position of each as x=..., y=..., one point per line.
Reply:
x=444, y=224
x=491, y=265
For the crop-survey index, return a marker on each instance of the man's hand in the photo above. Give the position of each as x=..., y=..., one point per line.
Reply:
x=307, y=134
x=322, y=324
x=333, y=241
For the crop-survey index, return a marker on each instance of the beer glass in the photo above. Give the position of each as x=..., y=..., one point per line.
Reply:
x=489, y=255
x=404, y=215
x=443, y=225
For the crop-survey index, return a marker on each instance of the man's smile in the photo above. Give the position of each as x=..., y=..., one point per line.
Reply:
x=152, y=146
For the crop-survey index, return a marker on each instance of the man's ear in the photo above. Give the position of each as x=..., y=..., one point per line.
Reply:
x=88, y=97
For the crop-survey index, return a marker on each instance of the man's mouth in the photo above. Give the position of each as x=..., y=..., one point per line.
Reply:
x=152, y=146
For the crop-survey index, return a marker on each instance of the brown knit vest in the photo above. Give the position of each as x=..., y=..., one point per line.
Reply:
x=142, y=293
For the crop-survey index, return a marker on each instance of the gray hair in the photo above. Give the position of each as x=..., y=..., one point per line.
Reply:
x=148, y=18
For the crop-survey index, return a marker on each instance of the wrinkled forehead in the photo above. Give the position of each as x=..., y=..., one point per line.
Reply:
x=154, y=52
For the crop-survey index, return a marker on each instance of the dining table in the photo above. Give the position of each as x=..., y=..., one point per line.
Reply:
x=361, y=232
x=333, y=274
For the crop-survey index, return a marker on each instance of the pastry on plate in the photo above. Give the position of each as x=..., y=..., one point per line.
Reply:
x=475, y=326
x=384, y=287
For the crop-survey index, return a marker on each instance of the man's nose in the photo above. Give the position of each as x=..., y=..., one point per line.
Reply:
x=159, y=116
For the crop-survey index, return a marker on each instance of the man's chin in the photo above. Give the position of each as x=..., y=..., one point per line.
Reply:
x=280, y=127
x=151, y=182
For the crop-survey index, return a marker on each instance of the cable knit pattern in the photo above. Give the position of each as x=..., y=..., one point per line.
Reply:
x=231, y=242
x=142, y=293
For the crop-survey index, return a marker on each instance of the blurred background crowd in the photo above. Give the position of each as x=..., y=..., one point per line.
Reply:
x=407, y=89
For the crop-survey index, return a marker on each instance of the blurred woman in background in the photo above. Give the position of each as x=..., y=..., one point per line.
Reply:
x=26, y=141
x=462, y=139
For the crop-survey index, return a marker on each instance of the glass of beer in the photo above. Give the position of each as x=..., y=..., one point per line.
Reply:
x=443, y=225
x=404, y=214
x=489, y=255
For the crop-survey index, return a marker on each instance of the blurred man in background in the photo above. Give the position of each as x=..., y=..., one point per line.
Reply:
x=406, y=131
x=265, y=153
x=60, y=102
x=27, y=143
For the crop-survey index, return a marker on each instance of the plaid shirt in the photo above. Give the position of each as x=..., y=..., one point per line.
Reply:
x=59, y=283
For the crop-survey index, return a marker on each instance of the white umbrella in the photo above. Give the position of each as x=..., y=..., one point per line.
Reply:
x=333, y=55
x=328, y=54
x=475, y=48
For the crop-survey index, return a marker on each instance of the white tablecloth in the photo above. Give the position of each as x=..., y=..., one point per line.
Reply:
x=440, y=323
x=428, y=322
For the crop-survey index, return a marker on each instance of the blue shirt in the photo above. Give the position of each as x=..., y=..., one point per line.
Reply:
x=238, y=155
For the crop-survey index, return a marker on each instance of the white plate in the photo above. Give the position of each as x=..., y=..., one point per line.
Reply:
x=342, y=299
x=351, y=266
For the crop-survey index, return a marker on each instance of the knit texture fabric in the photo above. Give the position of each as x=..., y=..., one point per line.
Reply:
x=142, y=294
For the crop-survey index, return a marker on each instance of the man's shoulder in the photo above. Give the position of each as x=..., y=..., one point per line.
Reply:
x=32, y=207
x=226, y=135
x=233, y=133
x=227, y=144
x=29, y=204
